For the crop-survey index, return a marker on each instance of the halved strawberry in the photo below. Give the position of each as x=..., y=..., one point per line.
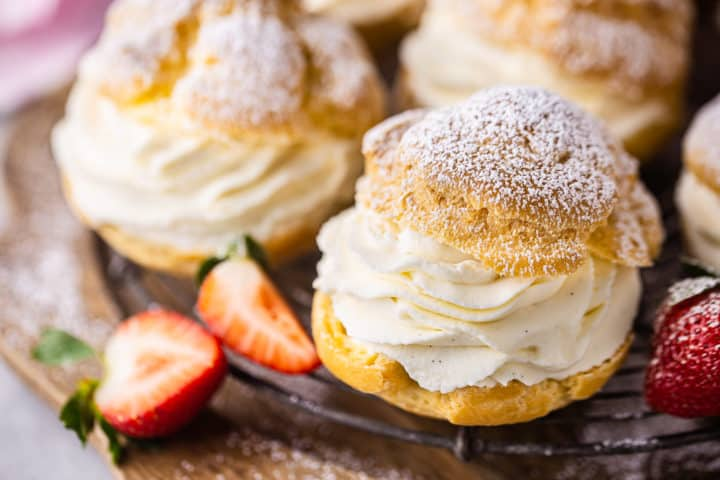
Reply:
x=242, y=306
x=161, y=369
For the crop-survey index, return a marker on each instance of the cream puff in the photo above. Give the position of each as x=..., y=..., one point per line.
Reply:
x=698, y=191
x=489, y=271
x=622, y=60
x=379, y=21
x=194, y=122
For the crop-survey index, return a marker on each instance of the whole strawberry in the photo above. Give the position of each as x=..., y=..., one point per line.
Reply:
x=683, y=377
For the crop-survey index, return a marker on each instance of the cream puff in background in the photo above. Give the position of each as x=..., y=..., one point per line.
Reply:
x=194, y=122
x=623, y=60
x=698, y=191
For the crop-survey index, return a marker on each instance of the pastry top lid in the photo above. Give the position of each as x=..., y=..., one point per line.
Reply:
x=517, y=177
x=702, y=145
x=636, y=45
x=237, y=66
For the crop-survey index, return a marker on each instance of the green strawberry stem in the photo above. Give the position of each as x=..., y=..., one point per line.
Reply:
x=253, y=250
x=79, y=413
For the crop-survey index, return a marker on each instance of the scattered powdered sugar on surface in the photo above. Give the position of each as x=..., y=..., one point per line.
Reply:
x=518, y=151
x=40, y=274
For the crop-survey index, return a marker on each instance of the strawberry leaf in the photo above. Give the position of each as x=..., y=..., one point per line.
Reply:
x=115, y=443
x=206, y=267
x=256, y=252
x=78, y=413
x=253, y=250
x=57, y=347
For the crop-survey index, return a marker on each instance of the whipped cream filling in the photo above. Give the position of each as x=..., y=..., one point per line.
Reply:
x=446, y=63
x=178, y=185
x=699, y=206
x=357, y=11
x=452, y=323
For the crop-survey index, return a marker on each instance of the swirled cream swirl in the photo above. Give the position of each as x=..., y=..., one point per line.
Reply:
x=358, y=11
x=452, y=323
x=699, y=206
x=178, y=185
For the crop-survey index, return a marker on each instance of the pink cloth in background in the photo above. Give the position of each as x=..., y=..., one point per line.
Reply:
x=40, y=44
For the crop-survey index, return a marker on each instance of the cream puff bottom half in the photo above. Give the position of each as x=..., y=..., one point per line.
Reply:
x=185, y=263
x=515, y=402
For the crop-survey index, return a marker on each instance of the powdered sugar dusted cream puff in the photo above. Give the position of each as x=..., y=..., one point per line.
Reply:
x=488, y=273
x=623, y=60
x=698, y=191
x=379, y=21
x=195, y=122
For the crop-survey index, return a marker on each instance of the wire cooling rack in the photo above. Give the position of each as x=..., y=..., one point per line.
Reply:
x=588, y=428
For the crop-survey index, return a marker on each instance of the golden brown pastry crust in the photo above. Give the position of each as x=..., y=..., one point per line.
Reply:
x=636, y=45
x=379, y=375
x=516, y=177
x=238, y=67
x=701, y=152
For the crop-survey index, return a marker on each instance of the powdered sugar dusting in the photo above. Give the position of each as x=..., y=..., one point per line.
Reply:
x=139, y=41
x=631, y=52
x=335, y=50
x=636, y=44
x=228, y=65
x=516, y=177
x=246, y=63
x=521, y=152
x=301, y=462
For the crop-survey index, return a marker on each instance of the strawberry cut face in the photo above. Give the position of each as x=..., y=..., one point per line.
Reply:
x=243, y=308
x=161, y=368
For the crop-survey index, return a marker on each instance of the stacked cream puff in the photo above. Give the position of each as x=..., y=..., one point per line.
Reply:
x=488, y=273
x=194, y=122
x=623, y=60
x=379, y=21
x=698, y=191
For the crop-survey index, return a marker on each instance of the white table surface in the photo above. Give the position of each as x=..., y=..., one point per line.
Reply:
x=33, y=443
